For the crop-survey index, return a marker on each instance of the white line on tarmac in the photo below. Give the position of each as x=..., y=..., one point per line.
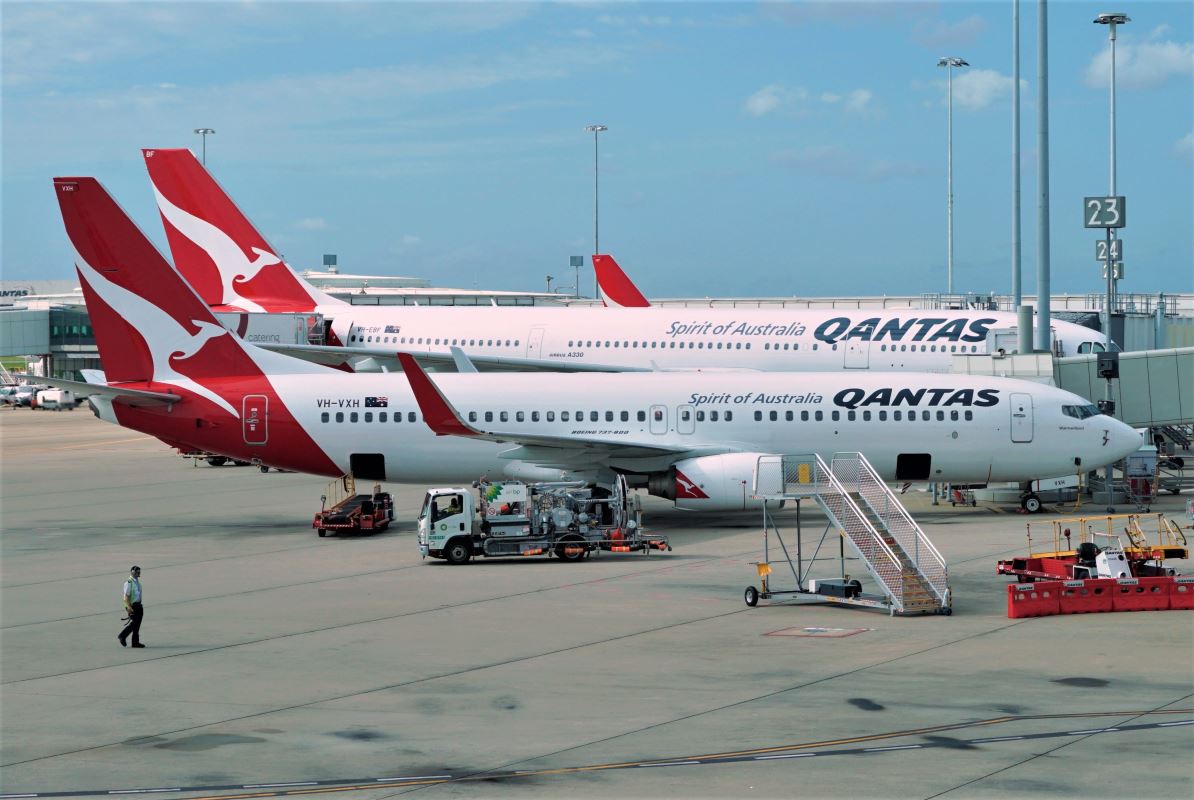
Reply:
x=793, y=755
x=893, y=747
x=413, y=778
x=997, y=739
x=1162, y=725
x=671, y=764
x=276, y=785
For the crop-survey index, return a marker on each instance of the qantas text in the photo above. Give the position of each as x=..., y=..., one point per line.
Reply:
x=853, y=398
x=913, y=329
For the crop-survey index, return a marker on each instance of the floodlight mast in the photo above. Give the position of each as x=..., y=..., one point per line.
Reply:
x=203, y=132
x=595, y=129
x=949, y=62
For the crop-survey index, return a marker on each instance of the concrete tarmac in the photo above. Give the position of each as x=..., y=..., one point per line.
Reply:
x=347, y=664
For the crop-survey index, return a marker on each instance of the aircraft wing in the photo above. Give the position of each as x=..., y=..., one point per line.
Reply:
x=133, y=397
x=441, y=362
x=547, y=450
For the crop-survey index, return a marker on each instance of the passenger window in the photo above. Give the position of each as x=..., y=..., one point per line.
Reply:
x=685, y=415
x=925, y=415
x=534, y=416
x=774, y=416
x=713, y=416
x=953, y=415
x=339, y=416
x=519, y=416
x=368, y=416
x=897, y=415
x=324, y=417
x=641, y=416
x=837, y=415
x=758, y=416
x=658, y=415
x=866, y=416
x=382, y=416
x=503, y=416
x=489, y=416
x=354, y=417
x=804, y=416
x=820, y=416
x=410, y=417
x=789, y=416
x=969, y=415
x=883, y=416
x=593, y=416
x=472, y=416
x=609, y=416
x=851, y=415
x=700, y=416
x=941, y=416
x=625, y=416
x=564, y=416
x=729, y=416
x=551, y=416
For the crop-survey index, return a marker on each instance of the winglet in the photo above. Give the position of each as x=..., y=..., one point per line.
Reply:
x=616, y=287
x=437, y=411
x=463, y=363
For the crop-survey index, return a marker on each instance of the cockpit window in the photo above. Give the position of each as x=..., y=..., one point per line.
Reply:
x=1080, y=412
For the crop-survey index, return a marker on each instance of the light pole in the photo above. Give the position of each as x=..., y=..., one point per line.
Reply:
x=203, y=132
x=595, y=129
x=949, y=62
x=1111, y=20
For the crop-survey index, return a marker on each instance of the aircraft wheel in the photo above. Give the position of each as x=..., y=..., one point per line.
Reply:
x=751, y=595
x=1031, y=503
x=458, y=551
x=217, y=461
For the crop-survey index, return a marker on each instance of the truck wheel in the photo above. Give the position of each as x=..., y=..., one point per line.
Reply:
x=1031, y=503
x=458, y=551
x=751, y=596
x=570, y=548
x=322, y=533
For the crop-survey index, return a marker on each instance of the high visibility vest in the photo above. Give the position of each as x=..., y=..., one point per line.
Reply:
x=132, y=590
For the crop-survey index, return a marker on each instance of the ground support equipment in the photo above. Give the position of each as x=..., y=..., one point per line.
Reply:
x=351, y=512
x=909, y=572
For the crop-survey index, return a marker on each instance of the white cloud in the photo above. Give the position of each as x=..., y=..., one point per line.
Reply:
x=1141, y=65
x=312, y=224
x=409, y=240
x=1183, y=148
x=830, y=97
x=979, y=88
x=939, y=33
x=858, y=99
x=772, y=97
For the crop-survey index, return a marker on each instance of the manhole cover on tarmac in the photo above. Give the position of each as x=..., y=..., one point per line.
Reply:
x=821, y=633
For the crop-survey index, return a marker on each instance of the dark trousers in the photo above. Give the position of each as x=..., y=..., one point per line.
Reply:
x=134, y=626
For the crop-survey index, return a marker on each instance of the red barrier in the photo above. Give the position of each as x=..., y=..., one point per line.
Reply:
x=1141, y=594
x=1181, y=592
x=1084, y=597
x=1038, y=599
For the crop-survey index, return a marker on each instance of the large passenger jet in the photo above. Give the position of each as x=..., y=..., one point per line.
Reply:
x=232, y=266
x=173, y=372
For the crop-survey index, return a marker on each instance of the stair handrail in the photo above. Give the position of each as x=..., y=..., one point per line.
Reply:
x=895, y=511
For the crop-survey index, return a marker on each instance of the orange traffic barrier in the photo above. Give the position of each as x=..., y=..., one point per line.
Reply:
x=619, y=548
x=1040, y=599
x=1141, y=594
x=1088, y=596
x=1181, y=592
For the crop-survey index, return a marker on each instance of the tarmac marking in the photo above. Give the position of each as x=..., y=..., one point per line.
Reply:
x=282, y=789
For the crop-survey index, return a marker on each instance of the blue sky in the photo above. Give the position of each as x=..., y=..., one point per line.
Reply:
x=776, y=148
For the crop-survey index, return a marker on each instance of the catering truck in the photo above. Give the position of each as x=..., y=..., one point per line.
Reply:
x=568, y=520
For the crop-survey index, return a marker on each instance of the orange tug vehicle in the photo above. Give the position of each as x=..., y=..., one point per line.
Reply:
x=1095, y=572
x=351, y=512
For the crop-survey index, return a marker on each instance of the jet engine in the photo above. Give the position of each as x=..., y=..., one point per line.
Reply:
x=708, y=483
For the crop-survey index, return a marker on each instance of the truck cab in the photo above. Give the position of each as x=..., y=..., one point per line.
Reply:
x=447, y=514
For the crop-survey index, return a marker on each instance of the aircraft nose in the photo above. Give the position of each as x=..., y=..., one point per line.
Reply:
x=1123, y=440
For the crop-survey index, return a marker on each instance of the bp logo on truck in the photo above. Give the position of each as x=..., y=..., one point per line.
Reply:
x=443, y=526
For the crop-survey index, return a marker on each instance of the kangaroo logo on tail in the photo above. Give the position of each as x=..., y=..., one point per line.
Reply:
x=168, y=341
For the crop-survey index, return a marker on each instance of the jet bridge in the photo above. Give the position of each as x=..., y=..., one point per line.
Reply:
x=1155, y=388
x=870, y=520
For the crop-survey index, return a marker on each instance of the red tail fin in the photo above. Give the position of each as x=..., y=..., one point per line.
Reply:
x=616, y=287
x=214, y=244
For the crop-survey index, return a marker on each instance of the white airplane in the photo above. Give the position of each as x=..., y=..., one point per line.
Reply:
x=172, y=372
x=232, y=267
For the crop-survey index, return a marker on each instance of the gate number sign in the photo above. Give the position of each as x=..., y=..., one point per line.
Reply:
x=1104, y=212
x=1114, y=248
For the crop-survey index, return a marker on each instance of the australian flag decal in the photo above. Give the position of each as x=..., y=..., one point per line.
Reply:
x=377, y=402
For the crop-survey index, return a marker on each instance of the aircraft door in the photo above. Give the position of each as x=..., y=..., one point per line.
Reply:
x=685, y=419
x=1021, y=417
x=659, y=419
x=858, y=354
x=254, y=418
x=535, y=343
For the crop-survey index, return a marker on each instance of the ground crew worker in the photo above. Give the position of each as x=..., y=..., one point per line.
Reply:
x=132, y=605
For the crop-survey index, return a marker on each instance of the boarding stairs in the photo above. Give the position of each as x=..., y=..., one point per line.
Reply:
x=870, y=518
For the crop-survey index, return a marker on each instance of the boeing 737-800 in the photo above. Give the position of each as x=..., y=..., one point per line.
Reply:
x=232, y=266
x=171, y=371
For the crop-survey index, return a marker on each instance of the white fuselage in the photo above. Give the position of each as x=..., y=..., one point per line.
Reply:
x=688, y=338
x=974, y=429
